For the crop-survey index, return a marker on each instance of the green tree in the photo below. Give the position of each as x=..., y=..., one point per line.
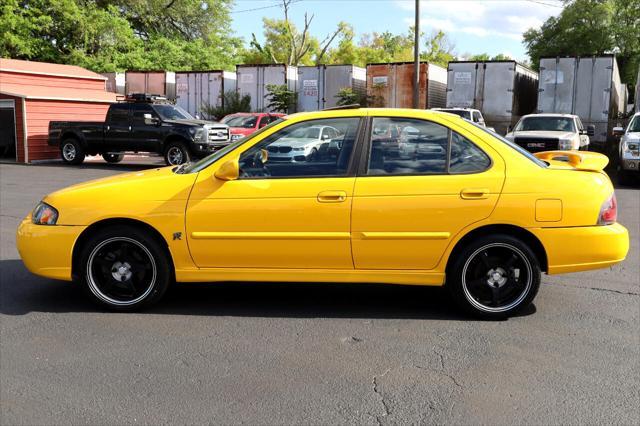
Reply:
x=232, y=102
x=280, y=98
x=591, y=27
x=439, y=50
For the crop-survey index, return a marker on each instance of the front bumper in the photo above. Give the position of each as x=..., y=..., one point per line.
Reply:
x=47, y=250
x=206, y=148
x=630, y=164
x=583, y=248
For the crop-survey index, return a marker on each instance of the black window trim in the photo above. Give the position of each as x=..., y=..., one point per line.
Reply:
x=363, y=165
x=351, y=167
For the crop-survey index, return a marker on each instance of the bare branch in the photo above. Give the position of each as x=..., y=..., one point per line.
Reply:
x=328, y=39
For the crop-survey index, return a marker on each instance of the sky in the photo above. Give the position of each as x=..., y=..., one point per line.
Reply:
x=473, y=26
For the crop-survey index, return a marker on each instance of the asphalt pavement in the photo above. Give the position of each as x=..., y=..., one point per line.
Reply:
x=259, y=353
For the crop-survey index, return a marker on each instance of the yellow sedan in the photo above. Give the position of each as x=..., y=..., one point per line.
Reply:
x=389, y=196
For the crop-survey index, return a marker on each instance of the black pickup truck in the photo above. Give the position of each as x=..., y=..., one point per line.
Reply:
x=142, y=123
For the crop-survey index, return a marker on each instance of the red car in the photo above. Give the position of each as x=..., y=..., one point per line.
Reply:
x=244, y=123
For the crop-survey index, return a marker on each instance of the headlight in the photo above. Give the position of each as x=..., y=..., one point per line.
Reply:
x=631, y=147
x=565, y=144
x=44, y=214
x=298, y=149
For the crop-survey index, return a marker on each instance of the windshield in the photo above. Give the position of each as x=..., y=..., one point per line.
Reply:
x=210, y=159
x=244, y=121
x=172, y=112
x=512, y=145
x=634, y=126
x=462, y=113
x=306, y=133
x=563, y=124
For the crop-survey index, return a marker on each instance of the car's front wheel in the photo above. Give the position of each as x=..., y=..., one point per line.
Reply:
x=112, y=158
x=176, y=153
x=494, y=277
x=124, y=268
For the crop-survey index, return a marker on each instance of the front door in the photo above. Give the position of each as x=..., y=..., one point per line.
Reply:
x=290, y=213
x=418, y=191
x=147, y=134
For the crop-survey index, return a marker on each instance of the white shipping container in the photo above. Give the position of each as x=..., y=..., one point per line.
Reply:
x=195, y=91
x=319, y=85
x=253, y=80
x=502, y=90
x=589, y=87
x=115, y=82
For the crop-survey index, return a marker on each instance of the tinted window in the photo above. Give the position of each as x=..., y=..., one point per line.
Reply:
x=172, y=112
x=139, y=110
x=244, y=121
x=548, y=123
x=466, y=157
x=119, y=113
x=403, y=146
x=297, y=151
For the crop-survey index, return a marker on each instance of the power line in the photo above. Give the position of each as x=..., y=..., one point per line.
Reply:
x=264, y=7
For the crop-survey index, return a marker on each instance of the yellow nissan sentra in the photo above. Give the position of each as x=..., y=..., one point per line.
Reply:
x=353, y=195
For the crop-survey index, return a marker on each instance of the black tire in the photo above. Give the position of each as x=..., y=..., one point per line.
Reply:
x=72, y=152
x=123, y=268
x=494, y=276
x=174, y=150
x=112, y=158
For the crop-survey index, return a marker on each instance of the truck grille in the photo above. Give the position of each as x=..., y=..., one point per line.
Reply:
x=218, y=135
x=537, y=144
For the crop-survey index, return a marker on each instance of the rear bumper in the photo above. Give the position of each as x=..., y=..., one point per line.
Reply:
x=47, y=250
x=583, y=248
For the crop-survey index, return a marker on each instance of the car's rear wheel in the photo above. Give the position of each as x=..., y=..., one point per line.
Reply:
x=124, y=268
x=176, y=153
x=112, y=158
x=72, y=152
x=494, y=276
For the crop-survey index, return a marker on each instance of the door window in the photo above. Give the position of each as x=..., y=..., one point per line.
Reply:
x=300, y=150
x=420, y=147
x=476, y=117
x=119, y=114
x=138, y=112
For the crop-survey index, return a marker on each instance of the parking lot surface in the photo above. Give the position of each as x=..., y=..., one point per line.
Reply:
x=258, y=353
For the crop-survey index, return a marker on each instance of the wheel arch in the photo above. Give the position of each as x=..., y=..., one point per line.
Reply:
x=106, y=223
x=174, y=137
x=515, y=231
x=69, y=134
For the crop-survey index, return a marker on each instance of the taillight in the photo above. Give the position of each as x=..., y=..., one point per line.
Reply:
x=608, y=211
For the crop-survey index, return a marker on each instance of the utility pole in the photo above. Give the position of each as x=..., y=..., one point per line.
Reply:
x=416, y=59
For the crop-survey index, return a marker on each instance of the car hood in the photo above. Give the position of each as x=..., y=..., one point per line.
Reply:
x=242, y=130
x=542, y=134
x=632, y=136
x=133, y=194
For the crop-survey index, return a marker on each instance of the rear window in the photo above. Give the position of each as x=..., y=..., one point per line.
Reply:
x=512, y=145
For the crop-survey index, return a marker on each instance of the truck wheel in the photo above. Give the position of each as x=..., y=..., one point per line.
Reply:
x=112, y=158
x=176, y=153
x=494, y=276
x=72, y=152
x=124, y=268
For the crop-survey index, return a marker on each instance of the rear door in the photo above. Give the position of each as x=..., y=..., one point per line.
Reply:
x=117, y=133
x=147, y=136
x=409, y=202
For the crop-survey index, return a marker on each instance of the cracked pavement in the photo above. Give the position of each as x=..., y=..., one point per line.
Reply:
x=257, y=353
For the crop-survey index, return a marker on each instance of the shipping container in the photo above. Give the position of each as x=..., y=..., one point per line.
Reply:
x=153, y=82
x=502, y=90
x=319, y=85
x=254, y=79
x=589, y=87
x=637, y=99
x=391, y=85
x=115, y=82
x=198, y=90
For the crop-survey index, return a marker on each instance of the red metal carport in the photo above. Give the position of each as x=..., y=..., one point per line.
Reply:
x=34, y=93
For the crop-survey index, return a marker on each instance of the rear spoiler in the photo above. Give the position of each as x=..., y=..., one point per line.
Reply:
x=579, y=160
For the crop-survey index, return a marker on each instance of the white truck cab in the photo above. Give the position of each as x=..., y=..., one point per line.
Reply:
x=550, y=132
x=629, y=152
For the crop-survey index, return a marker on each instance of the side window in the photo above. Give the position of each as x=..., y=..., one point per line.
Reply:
x=405, y=146
x=138, y=112
x=579, y=123
x=299, y=151
x=476, y=117
x=466, y=157
x=118, y=113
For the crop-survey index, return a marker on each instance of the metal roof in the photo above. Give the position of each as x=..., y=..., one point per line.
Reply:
x=44, y=68
x=56, y=93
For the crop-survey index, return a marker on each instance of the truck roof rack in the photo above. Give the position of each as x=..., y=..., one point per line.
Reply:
x=350, y=106
x=145, y=98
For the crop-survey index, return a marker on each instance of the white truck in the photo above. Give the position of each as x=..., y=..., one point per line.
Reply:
x=629, y=152
x=551, y=132
x=470, y=114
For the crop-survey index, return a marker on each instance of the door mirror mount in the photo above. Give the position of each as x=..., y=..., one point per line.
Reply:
x=229, y=170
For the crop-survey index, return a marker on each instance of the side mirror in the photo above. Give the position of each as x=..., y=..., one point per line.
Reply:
x=228, y=171
x=591, y=130
x=618, y=131
x=150, y=120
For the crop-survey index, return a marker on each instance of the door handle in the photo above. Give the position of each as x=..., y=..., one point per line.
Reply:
x=474, y=193
x=129, y=128
x=108, y=128
x=332, y=196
